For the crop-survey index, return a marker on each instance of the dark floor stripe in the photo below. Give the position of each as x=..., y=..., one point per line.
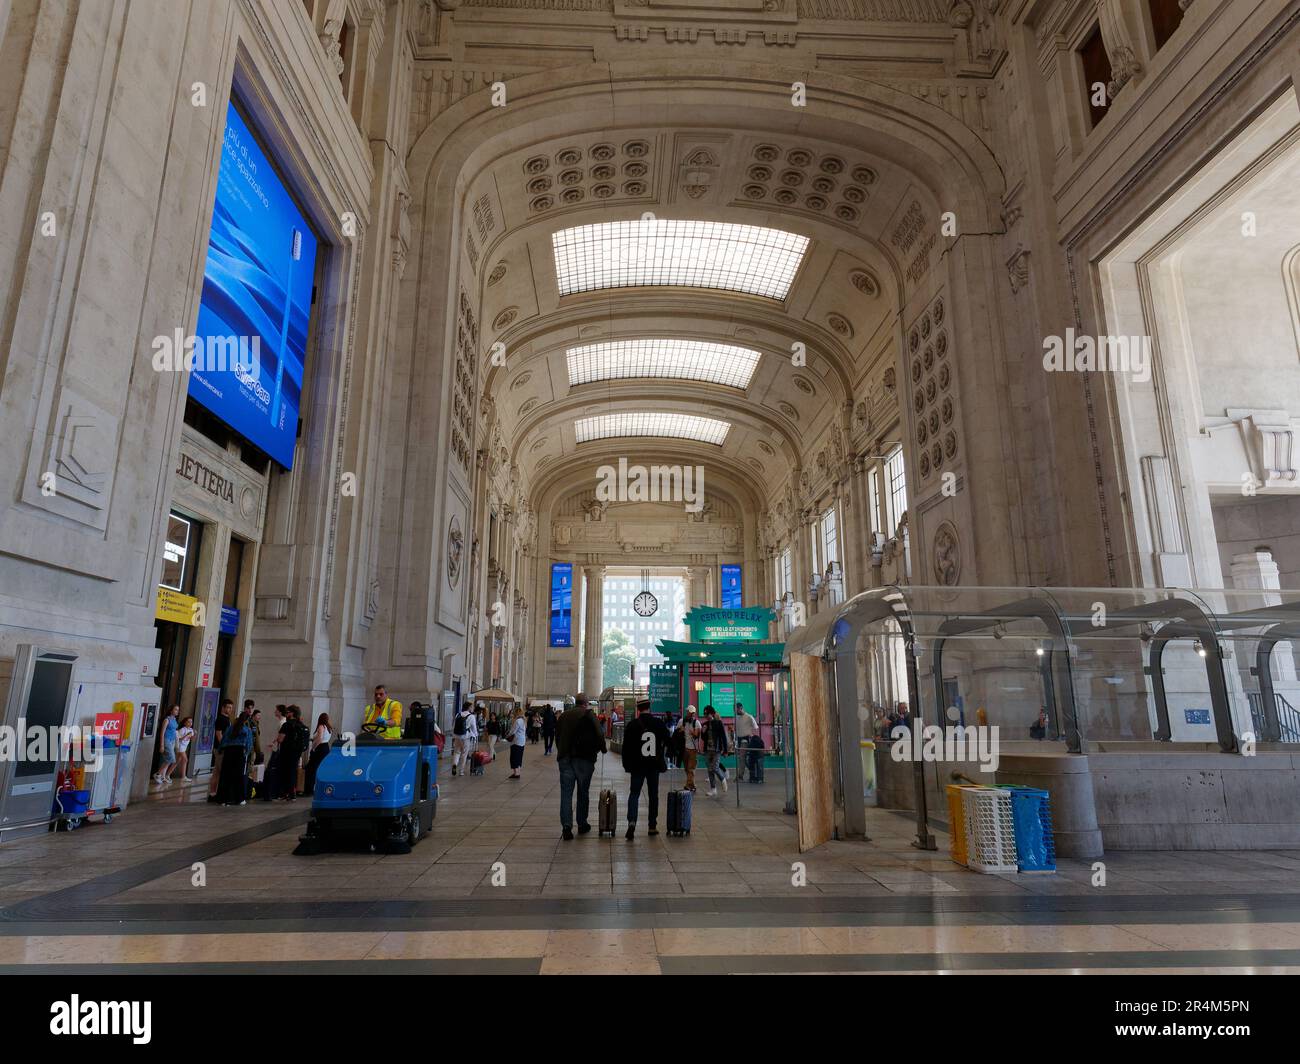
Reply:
x=533, y=913
x=55, y=904
x=931, y=962
x=471, y=966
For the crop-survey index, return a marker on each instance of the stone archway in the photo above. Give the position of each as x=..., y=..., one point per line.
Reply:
x=931, y=281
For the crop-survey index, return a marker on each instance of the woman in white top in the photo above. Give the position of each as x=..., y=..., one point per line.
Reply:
x=518, y=736
x=183, y=739
x=320, y=746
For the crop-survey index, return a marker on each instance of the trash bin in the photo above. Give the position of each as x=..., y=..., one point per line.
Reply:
x=868, y=748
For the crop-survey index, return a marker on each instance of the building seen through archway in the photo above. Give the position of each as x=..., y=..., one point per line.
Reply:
x=465, y=345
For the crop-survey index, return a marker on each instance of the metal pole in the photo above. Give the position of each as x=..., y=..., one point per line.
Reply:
x=924, y=840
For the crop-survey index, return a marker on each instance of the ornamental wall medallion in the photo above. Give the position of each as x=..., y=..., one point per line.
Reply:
x=947, y=555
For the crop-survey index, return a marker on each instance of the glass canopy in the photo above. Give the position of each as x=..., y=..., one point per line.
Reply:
x=1059, y=670
x=1104, y=665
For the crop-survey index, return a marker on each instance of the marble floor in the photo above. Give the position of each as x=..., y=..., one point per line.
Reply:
x=175, y=884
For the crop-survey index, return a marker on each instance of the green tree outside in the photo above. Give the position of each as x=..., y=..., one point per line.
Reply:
x=618, y=655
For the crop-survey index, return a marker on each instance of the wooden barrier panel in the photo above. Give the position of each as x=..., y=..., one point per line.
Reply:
x=814, y=766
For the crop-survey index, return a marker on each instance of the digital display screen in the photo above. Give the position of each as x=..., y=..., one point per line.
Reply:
x=732, y=598
x=562, y=604
x=250, y=342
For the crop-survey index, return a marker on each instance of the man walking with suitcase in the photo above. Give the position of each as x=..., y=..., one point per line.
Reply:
x=578, y=741
x=645, y=742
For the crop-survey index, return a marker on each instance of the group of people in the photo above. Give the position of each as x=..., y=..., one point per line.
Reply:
x=242, y=768
x=474, y=725
x=649, y=744
x=174, y=747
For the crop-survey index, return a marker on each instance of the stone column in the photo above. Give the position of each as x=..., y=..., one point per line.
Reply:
x=593, y=663
x=697, y=589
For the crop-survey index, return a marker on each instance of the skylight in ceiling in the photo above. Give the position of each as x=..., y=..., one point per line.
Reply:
x=651, y=423
x=693, y=254
x=695, y=360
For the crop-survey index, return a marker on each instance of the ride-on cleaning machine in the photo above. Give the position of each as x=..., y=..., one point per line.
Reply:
x=381, y=791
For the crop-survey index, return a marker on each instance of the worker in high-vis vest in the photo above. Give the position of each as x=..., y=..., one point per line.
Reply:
x=387, y=713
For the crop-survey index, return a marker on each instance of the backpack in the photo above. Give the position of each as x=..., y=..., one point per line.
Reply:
x=461, y=726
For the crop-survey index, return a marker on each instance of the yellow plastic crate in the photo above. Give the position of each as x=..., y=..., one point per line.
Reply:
x=956, y=822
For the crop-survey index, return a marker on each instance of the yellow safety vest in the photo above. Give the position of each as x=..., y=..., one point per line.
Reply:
x=391, y=711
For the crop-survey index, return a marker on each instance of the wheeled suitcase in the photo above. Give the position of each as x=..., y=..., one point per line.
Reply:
x=607, y=809
x=679, y=812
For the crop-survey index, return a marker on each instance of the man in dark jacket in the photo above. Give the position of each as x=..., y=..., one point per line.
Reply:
x=548, y=728
x=578, y=740
x=645, y=741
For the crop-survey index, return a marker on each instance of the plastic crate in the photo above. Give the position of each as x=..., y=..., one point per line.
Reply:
x=956, y=823
x=990, y=830
x=1031, y=815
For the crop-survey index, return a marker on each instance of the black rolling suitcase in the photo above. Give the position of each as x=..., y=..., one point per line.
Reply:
x=679, y=812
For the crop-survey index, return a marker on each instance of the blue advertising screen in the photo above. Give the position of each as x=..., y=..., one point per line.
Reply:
x=562, y=604
x=251, y=337
x=732, y=598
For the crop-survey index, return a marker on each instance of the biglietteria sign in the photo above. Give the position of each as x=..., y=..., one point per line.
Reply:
x=710, y=625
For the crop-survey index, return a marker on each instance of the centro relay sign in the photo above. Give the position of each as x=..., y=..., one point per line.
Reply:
x=710, y=625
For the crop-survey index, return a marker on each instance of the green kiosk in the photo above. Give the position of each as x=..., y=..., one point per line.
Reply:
x=728, y=662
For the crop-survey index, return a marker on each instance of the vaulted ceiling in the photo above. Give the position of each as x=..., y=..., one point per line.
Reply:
x=815, y=341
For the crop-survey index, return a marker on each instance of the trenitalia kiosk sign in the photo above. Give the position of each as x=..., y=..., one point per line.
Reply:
x=710, y=625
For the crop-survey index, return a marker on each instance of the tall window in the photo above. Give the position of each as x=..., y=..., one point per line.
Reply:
x=873, y=503
x=783, y=573
x=1166, y=16
x=896, y=482
x=830, y=539
x=1096, y=71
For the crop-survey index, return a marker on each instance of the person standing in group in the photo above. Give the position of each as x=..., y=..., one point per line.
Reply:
x=548, y=728
x=168, y=747
x=492, y=730
x=713, y=739
x=238, y=739
x=518, y=736
x=578, y=742
x=746, y=729
x=690, y=746
x=464, y=738
x=184, y=737
x=225, y=717
x=320, y=746
x=291, y=756
x=645, y=741
x=255, y=754
x=271, y=773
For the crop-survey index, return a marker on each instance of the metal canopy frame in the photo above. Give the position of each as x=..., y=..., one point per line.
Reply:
x=1171, y=615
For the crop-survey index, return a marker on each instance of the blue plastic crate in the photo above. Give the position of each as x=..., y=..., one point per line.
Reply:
x=1031, y=813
